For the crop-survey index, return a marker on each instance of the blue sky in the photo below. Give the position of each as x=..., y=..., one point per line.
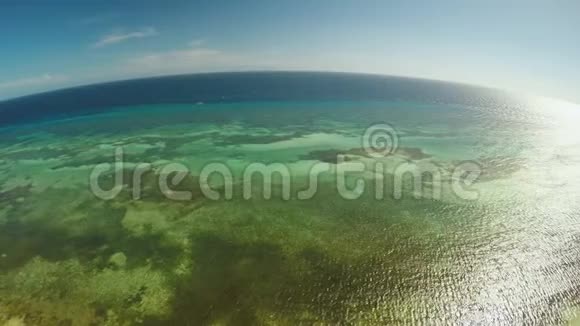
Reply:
x=531, y=46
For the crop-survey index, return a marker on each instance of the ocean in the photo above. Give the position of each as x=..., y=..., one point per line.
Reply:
x=288, y=198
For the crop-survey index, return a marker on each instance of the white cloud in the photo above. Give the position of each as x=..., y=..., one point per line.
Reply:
x=196, y=43
x=185, y=61
x=31, y=82
x=122, y=37
x=178, y=57
x=196, y=59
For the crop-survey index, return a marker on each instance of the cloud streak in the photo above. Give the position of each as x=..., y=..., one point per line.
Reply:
x=116, y=38
x=196, y=43
x=43, y=80
x=183, y=61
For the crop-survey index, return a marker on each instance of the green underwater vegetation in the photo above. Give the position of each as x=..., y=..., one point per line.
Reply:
x=70, y=258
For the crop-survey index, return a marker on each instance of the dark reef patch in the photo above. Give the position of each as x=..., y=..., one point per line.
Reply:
x=148, y=185
x=35, y=154
x=242, y=284
x=499, y=167
x=56, y=240
x=412, y=153
x=15, y=195
x=91, y=239
x=331, y=155
x=21, y=242
x=254, y=139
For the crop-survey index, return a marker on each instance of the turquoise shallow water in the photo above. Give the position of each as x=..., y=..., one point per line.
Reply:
x=507, y=256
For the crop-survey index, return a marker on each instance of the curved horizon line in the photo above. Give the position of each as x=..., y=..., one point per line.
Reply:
x=108, y=82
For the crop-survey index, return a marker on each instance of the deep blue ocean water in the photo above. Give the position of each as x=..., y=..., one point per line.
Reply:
x=243, y=87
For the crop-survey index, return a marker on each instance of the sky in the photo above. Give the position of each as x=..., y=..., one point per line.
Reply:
x=530, y=46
